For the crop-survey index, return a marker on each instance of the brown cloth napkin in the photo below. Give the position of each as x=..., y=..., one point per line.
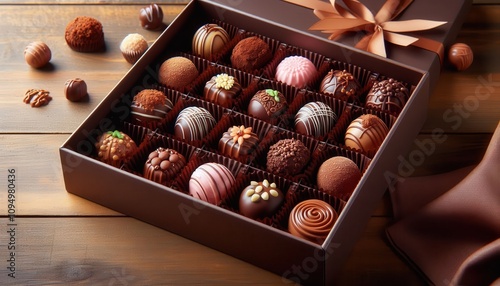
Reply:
x=455, y=238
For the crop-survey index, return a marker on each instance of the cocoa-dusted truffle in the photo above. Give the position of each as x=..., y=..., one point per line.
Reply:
x=85, y=34
x=211, y=182
x=115, y=147
x=238, y=141
x=388, y=95
x=340, y=84
x=460, y=56
x=287, y=157
x=37, y=54
x=133, y=46
x=267, y=105
x=151, y=17
x=296, y=70
x=222, y=90
x=312, y=219
x=260, y=199
x=149, y=105
x=366, y=133
x=315, y=119
x=163, y=165
x=177, y=72
x=193, y=123
x=209, y=39
x=75, y=89
x=338, y=176
x=251, y=54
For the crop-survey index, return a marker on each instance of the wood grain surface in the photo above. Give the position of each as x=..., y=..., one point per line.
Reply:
x=62, y=239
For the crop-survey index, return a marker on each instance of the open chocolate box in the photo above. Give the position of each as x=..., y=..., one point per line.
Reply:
x=221, y=226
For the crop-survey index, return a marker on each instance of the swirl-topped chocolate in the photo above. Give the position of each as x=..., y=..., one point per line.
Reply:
x=267, y=105
x=312, y=219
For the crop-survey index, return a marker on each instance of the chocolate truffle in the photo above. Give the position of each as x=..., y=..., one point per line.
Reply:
x=208, y=40
x=312, y=219
x=133, y=46
x=238, y=141
x=340, y=84
x=260, y=199
x=315, y=119
x=387, y=95
x=193, y=123
x=114, y=147
x=251, y=54
x=366, y=133
x=37, y=54
x=75, y=89
x=267, y=105
x=222, y=89
x=460, y=56
x=296, y=70
x=287, y=157
x=177, y=72
x=149, y=105
x=338, y=177
x=85, y=34
x=151, y=17
x=211, y=183
x=163, y=165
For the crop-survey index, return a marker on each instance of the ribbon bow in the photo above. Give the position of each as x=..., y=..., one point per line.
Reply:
x=336, y=20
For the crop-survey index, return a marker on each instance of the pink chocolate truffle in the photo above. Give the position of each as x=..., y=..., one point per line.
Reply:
x=211, y=182
x=296, y=70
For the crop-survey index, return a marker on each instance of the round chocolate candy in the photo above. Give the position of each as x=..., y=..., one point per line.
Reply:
x=296, y=70
x=37, y=54
x=211, y=182
x=114, y=147
x=340, y=84
x=238, y=141
x=315, y=119
x=338, y=177
x=260, y=199
x=251, y=54
x=460, y=56
x=287, y=157
x=222, y=89
x=312, y=219
x=163, y=165
x=366, y=133
x=193, y=123
x=267, y=105
x=388, y=95
x=149, y=105
x=75, y=89
x=177, y=72
x=209, y=39
x=151, y=17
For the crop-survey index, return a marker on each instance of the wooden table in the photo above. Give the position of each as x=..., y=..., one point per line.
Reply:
x=63, y=239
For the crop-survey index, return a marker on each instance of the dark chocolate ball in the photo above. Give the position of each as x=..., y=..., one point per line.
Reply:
x=163, y=165
x=251, y=54
x=366, y=133
x=387, y=95
x=222, y=90
x=238, y=141
x=315, y=119
x=260, y=199
x=287, y=157
x=75, y=89
x=151, y=17
x=338, y=177
x=340, y=84
x=193, y=123
x=267, y=105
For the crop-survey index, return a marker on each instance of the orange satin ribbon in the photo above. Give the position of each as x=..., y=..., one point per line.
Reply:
x=336, y=20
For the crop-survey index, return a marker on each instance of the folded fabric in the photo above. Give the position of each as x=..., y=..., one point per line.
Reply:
x=455, y=238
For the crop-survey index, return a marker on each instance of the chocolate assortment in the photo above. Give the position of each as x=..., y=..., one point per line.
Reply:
x=252, y=111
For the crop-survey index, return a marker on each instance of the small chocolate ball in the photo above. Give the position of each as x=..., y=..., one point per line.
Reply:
x=75, y=89
x=37, y=54
x=260, y=199
x=460, y=56
x=151, y=17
